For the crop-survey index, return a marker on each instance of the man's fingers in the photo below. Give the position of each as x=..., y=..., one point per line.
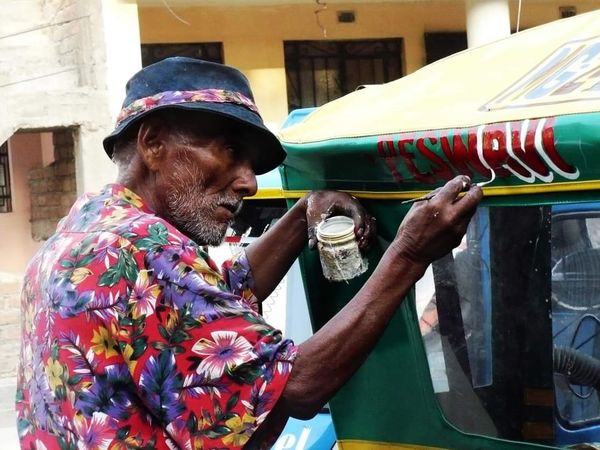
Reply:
x=470, y=199
x=450, y=191
x=325, y=204
x=368, y=235
x=312, y=237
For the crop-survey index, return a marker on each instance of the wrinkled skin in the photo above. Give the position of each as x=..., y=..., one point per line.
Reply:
x=195, y=181
x=434, y=227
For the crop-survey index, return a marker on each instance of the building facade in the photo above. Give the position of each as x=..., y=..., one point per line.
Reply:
x=64, y=64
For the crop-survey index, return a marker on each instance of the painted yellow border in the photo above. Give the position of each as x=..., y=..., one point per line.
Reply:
x=268, y=194
x=490, y=191
x=373, y=445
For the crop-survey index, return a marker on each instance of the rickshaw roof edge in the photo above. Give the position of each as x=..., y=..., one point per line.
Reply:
x=542, y=72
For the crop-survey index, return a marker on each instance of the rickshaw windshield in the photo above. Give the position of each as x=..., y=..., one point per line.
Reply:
x=510, y=323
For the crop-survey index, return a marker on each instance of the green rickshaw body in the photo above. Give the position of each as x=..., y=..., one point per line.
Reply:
x=476, y=357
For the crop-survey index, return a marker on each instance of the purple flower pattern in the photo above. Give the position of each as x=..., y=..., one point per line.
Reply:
x=177, y=97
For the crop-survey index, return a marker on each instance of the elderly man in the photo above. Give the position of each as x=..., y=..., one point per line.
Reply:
x=132, y=338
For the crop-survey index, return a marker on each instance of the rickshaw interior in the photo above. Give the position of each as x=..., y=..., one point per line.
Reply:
x=510, y=325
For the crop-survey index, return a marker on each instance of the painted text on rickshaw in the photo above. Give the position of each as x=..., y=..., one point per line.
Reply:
x=524, y=149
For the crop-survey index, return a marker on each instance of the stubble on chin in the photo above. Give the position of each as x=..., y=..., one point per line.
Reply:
x=193, y=215
x=190, y=210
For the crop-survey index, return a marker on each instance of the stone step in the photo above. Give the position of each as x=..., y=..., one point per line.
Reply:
x=10, y=316
x=8, y=388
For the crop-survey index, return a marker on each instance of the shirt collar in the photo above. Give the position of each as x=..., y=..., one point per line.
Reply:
x=117, y=194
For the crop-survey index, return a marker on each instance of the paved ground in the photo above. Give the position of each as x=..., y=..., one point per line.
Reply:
x=9, y=350
x=8, y=429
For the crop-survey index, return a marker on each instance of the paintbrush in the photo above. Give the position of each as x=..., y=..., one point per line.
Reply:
x=433, y=193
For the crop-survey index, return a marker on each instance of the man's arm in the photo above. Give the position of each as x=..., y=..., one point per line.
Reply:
x=271, y=256
x=327, y=360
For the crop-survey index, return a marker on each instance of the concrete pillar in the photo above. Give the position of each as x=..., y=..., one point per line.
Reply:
x=122, y=44
x=487, y=21
x=117, y=29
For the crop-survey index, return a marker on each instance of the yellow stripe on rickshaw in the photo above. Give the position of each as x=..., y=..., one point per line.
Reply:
x=489, y=191
x=373, y=445
x=267, y=194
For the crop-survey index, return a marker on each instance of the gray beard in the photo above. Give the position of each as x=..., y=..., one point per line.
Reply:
x=191, y=211
x=195, y=221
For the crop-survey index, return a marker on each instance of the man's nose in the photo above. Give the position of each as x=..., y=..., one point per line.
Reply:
x=245, y=183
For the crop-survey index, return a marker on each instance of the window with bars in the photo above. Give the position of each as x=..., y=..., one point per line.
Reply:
x=438, y=45
x=209, y=51
x=320, y=71
x=5, y=194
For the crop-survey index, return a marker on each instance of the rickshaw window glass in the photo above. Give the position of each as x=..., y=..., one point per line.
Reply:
x=485, y=318
x=576, y=320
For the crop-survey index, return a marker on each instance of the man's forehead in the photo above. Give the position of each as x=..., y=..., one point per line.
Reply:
x=205, y=125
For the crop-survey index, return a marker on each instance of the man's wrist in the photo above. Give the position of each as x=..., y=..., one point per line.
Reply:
x=398, y=256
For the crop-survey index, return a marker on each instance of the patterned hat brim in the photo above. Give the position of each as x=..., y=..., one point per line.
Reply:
x=267, y=151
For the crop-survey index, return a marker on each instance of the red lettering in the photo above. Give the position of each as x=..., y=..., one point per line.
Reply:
x=463, y=158
x=390, y=159
x=494, y=149
x=386, y=142
x=440, y=168
x=502, y=148
x=527, y=155
x=408, y=157
x=550, y=149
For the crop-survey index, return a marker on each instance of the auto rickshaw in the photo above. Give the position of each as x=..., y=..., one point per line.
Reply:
x=498, y=346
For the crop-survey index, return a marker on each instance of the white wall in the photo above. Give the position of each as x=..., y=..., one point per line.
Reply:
x=64, y=63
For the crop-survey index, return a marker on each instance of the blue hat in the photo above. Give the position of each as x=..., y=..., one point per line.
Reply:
x=197, y=85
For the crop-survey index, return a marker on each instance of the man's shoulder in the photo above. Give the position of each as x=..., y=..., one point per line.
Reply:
x=150, y=226
x=121, y=212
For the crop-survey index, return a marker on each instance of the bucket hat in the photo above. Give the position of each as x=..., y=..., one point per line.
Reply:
x=197, y=85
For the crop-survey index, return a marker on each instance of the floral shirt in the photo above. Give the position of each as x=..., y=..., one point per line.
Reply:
x=133, y=339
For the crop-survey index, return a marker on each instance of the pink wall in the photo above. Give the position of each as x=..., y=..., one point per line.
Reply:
x=16, y=244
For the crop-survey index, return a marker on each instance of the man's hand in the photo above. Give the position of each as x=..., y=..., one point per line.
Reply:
x=434, y=227
x=272, y=255
x=321, y=205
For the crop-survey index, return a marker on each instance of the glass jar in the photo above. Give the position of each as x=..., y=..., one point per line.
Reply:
x=338, y=249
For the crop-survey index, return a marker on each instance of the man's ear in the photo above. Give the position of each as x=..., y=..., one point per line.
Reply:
x=152, y=142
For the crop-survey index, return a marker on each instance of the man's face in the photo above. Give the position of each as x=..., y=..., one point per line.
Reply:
x=203, y=180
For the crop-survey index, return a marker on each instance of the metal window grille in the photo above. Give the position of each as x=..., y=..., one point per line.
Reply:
x=209, y=51
x=5, y=194
x=320, y=71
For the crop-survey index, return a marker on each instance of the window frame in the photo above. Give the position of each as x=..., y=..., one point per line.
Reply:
x=5, y=188
x=209, y=51
x=335, y=55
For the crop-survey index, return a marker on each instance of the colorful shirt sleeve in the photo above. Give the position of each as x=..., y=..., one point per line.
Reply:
x=207, y=366
x=238, y=276
x=132, y=338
